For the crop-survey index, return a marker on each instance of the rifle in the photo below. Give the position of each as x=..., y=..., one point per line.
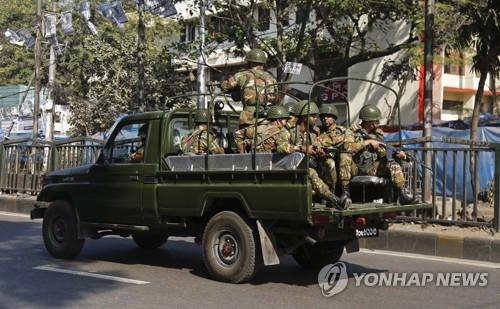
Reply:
x=391, y=150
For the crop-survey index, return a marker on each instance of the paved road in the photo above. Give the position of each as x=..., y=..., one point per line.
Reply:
x=176, y=277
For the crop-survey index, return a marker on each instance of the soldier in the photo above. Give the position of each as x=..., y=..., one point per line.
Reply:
x=370, y=155
x=250, y=84
x=244, y=137
x=335, y=136
x=297, y=141
x=196, y=141
x=138, y=155
x=269, y=138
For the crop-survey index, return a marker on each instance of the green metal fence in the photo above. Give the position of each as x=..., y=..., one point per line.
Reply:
x=25, y=161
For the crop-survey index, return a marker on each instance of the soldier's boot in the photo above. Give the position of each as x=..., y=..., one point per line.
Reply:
x=334, y=202
x=405, y=198
x=345, y=198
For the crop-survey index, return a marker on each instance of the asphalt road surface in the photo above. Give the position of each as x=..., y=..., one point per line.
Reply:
x=113, y=273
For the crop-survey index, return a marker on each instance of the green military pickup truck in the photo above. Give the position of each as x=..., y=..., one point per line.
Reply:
x=245, y=210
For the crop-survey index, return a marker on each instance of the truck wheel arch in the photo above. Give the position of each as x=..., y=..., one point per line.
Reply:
x=215, y=202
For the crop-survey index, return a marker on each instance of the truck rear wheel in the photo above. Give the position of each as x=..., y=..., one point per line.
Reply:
x=60, y=231
x=230, y=248
x=318, y=255
x=149, y=241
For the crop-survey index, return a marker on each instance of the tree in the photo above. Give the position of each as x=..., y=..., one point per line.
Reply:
x=481, y=31
x=96, y=75
x=336, y=38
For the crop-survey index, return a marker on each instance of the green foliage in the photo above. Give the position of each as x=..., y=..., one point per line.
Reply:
x=16, y=63
x=96, y=75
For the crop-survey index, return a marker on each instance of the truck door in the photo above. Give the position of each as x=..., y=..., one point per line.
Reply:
x=117, y=181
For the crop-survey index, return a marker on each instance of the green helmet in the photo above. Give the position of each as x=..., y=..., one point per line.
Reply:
x=370, y=112
x=329, y=109
x=290, y=106
x=278, y=112
x=256, y=55
x=201, y=115
x=301, y=108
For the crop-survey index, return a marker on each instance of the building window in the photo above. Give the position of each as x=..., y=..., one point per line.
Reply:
x=454, y=63
x=453, y=106
x=188, y=33
x=264, y=19
x=300, y=16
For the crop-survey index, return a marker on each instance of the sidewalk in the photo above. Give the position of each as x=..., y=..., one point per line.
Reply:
x=428, y=239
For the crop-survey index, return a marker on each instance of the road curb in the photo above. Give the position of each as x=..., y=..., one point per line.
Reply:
x=435, y=244
x=428, y=243
x=20, y=205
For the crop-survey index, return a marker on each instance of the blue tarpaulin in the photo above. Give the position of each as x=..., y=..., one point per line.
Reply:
x=486, y=160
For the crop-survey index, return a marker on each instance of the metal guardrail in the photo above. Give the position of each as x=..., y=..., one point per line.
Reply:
x=25, y=161
x=454, y=193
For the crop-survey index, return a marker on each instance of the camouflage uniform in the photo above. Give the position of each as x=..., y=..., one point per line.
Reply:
x=253, y=84
x=196, y=143
x=270, y=138
x=244, y=138
x=336, y=136
x=289, y=142
x=374, y=162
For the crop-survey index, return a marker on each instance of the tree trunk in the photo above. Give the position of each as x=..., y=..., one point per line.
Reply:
x=477, y=104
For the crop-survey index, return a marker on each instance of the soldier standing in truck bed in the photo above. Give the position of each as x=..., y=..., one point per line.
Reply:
x=252, y=84
x=370, y=155
x=200, y=141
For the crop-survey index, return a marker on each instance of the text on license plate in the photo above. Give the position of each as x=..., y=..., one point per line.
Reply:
x=368, y=232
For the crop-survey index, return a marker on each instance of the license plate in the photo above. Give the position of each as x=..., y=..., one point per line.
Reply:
x=368, y=232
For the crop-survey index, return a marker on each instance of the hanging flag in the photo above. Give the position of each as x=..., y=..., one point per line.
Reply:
x=29, y=40
x=67, y=22
x=14, y=38
x=85, y=11
x=163, y=8
x=50, y=25
x=114, y=12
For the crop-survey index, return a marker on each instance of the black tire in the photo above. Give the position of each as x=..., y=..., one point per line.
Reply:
x=318, y=255
x=230, y=248
x=149, y=241
x=60, y=231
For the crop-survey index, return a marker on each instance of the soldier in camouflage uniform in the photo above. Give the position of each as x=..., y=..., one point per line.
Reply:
x=297, y=141
x=250, y=84
x=138, y=155
x=244, y=137
x=336, y=137
x=272, y=134
x=195, y=142
x=370, y=155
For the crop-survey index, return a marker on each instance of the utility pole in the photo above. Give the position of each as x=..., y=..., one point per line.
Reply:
x=428, y=64
x=49, y=105
x=201, y=81
x=38, y=56
x=141, y=36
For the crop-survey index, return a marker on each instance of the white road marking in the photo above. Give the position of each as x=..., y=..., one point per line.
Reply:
x=87, y=274
x=433, y=258
x=12, y=214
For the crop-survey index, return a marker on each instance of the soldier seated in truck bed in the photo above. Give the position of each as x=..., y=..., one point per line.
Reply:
x=200, y=141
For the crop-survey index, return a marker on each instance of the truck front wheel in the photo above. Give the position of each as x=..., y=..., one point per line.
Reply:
x=230, y=247
x=318, y=255
x=60, y=231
